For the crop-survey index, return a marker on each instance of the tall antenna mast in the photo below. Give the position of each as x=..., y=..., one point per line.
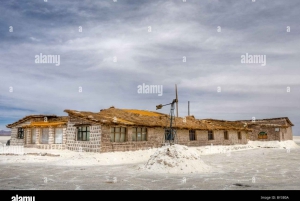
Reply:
x=170, y=131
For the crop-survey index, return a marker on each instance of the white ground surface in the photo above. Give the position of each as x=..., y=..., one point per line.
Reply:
x=180, y=155
x=253, y=166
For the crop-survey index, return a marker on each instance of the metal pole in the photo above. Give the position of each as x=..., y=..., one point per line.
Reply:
x=188, y=108
x=172, y=109
x=176, y=100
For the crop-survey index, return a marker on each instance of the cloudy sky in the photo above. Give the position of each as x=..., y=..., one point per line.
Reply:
x=109, y=48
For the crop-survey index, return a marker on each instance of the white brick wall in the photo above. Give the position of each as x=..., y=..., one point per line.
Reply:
x=93, y=145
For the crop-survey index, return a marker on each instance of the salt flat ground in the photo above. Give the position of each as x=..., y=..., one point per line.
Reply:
x=248, y=169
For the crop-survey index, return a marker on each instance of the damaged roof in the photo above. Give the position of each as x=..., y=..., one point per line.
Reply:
x=268, y=122
x=45, y=124
x=133, y=117
x=51, y=117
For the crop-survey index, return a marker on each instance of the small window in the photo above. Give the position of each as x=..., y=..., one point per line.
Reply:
x=262, y=135
x=83, y=133
x=20, y=133
x=139, y=134
x=210, y=135
x=192, y=135
x=276, y=129
x=239, y=135
x=118, y=134
x=226, y=135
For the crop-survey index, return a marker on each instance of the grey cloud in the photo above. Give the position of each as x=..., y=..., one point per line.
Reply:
x=178, y=29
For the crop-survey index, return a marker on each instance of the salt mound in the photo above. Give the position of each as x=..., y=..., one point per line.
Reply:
x=288, y=144
x=176, y=159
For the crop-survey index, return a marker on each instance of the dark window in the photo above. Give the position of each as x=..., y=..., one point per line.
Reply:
x=168, y=134
x=239, y=135
x=192, y=135
x=210, y=135
x=226, y=135
x=83, y=133
x=139, y=134
x=118, y=134
x=20, y=133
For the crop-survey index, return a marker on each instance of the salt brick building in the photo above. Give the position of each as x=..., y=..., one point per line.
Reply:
x=279, y=129
x=39, y=131
x=116, y=129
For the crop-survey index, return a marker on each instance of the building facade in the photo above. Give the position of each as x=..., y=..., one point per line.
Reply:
x=129, y=130
x=39, y=131
x=272, y=129
x=115, y=129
